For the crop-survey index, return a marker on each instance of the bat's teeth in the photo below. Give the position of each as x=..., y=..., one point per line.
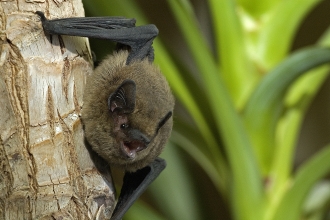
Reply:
x=131, y=147
x=130, y=153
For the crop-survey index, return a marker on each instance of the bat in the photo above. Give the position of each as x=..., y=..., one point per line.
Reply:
x=128, y=104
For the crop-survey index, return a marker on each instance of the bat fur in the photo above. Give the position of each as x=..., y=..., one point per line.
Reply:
x=153, y=101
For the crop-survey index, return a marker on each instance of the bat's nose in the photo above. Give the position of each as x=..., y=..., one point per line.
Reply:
x=137, y=135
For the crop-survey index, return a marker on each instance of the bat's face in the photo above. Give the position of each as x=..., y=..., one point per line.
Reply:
x=127, y=112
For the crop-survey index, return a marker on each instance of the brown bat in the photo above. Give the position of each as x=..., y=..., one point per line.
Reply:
x=128, y=105
x=127, y=111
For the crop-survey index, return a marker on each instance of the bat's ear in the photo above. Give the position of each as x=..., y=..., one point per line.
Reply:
x=123, y=99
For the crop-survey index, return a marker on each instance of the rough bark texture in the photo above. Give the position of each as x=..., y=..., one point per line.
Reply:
x=45, y=169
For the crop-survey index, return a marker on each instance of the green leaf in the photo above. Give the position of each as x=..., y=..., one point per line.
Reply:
x=257, y=8
x=308, y=174
x=273, y=42
x=318, y=198
x=266, y=103
x=174, y=189
x=192, y=146
x=141, y=211
x=247, y=195
x=297, y=101
x=238, y=70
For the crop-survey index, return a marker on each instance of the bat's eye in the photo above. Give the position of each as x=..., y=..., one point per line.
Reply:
x=124, y=126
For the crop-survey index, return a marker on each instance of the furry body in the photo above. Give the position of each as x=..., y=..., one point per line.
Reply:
x=153, y=101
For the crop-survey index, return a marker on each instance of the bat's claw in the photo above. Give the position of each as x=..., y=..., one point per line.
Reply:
x=41, y=15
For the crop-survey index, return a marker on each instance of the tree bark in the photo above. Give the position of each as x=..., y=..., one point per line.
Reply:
x=45, y=170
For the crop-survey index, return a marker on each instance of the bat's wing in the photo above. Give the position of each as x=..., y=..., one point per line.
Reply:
x=135, y=184
x=117, y=29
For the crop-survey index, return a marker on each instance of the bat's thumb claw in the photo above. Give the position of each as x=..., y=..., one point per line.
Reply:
x=41, y=15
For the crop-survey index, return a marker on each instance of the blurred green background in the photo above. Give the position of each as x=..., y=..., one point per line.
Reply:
x=251, y=127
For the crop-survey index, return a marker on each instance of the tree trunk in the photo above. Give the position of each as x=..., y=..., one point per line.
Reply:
x=45, y=170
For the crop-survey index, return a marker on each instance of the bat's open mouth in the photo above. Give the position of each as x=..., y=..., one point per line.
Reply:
x=130, y=148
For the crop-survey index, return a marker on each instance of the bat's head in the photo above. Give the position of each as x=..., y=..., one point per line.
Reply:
x=127, y=112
